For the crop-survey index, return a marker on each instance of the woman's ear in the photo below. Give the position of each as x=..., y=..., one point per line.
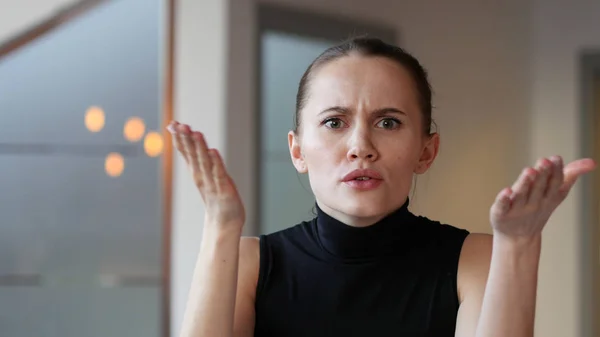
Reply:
x=429, y=153
x=296, y=152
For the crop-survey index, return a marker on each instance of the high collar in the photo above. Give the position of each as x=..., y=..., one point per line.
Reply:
x=385, y=237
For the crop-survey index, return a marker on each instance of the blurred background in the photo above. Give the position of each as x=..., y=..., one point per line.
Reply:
x=100, y=223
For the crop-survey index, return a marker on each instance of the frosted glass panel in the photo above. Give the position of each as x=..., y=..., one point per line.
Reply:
x=79, y=312
x=81, y=251
x=109, y=57
x=63, y=217
x=285, y=201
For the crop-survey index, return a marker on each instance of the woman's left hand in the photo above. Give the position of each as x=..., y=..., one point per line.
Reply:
x=521, y=211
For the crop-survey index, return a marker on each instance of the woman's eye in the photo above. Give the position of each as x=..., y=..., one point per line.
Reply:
x=389, y=123
x=334, y=123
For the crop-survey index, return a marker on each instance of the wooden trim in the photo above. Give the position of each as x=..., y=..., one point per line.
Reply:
x=61, y=17
x=167, y=161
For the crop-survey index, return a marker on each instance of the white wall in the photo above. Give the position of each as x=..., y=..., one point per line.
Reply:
x=200, y=84
x=215, y=94
x=16, y=16
x=562, y=29
x=240, y=105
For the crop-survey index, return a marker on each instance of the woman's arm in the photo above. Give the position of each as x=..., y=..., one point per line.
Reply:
x=497, y=278
x=244, y=318
x=221, y=299
x=497, y=287
x=508, y=307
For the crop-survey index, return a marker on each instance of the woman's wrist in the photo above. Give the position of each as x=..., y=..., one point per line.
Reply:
x=521, y=249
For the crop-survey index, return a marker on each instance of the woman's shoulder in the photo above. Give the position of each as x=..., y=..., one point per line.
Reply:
x=474, y=264
x=444, y=231
x=476, y=251
x=291, y=235
x=470, y=253
x=251, y=246
x=470, y=243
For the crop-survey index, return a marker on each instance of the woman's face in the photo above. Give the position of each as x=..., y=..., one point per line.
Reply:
x=361, y=113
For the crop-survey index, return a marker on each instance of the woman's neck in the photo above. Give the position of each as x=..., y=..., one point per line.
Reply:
x=355, y=220
x=364, y=236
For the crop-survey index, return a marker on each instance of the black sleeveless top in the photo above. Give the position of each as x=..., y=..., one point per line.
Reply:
x=394, y=278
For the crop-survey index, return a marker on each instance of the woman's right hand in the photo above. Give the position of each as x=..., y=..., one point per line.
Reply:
x=223, y=205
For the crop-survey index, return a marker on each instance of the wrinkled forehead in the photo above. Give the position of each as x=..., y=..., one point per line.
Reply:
x=358, y=82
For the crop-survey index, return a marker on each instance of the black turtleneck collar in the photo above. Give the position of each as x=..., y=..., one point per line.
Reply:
x=385, y=237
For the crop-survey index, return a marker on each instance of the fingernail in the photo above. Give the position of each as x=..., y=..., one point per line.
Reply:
x=171, y=128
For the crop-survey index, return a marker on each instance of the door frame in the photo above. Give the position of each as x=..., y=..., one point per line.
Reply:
x=589, y=73
x=304, y=23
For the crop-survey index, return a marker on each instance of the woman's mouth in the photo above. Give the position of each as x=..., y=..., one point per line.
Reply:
x=363, y=183
x=363, y=179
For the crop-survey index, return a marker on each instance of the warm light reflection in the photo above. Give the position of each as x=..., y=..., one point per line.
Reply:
x=153, y=144
x=94, y=119
x=114, y=164
x=134, y=129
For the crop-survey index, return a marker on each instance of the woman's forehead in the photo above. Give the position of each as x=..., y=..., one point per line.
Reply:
x=368, y=81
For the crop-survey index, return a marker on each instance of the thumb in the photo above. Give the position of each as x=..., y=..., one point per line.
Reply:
x=574, y=170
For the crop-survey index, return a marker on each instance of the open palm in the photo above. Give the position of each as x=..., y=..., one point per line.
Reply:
x=222, y=201
x=524, y=209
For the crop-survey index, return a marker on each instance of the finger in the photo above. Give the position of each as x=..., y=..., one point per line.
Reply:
x=540, y=184
x=177, y=142
x=573, y=171
x=502, y=203
x=203, y=159
x=557, y=176
x=190, y=151
x=171, y=127
x=218, y=171
x=522, y=187
x=180, y=142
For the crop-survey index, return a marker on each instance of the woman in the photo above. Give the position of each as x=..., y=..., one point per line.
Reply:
x=366, y=266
